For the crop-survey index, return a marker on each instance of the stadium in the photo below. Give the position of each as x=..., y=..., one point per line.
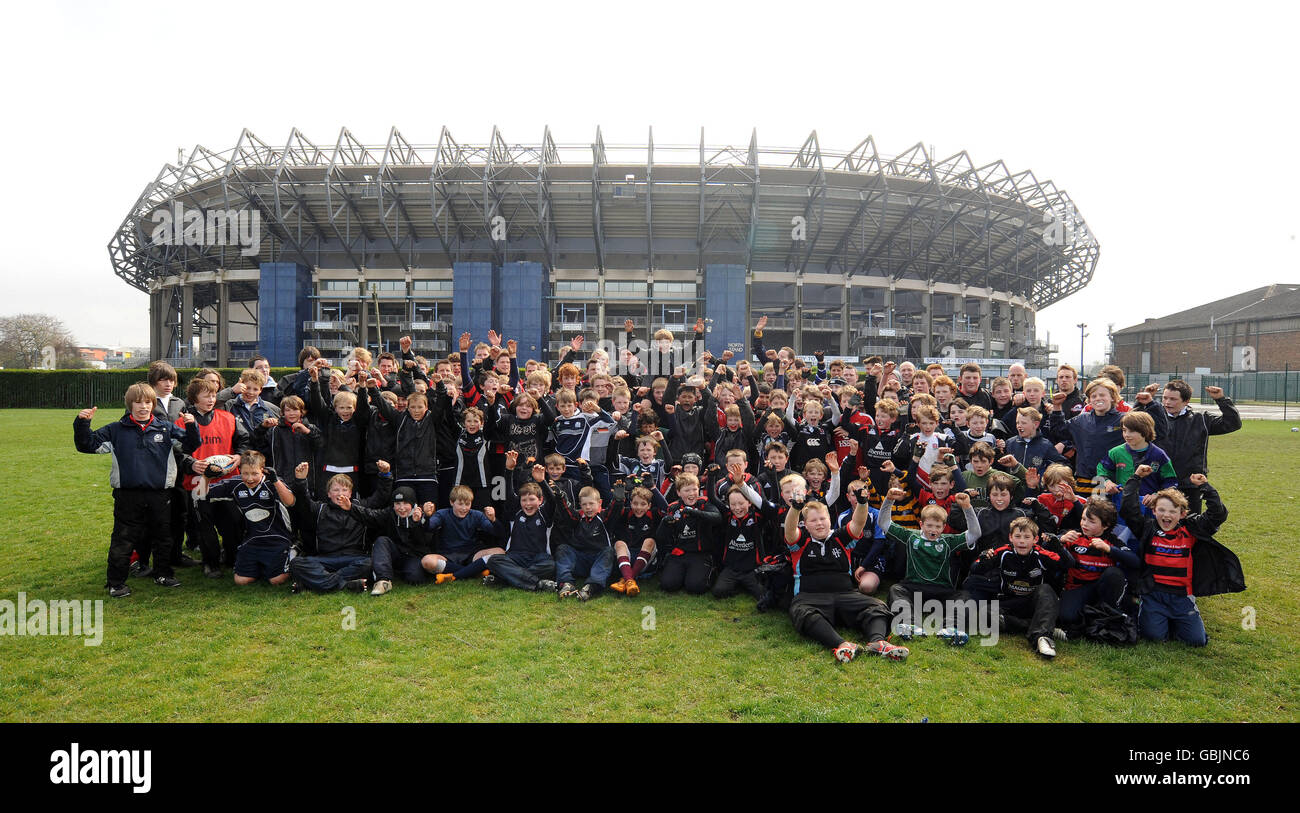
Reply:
x=262, y=249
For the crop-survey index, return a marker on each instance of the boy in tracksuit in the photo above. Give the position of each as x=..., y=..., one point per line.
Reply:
x=1029, y=446
x=1180, y=559
x=686, y=536
x=340, y=447
x=527, y=562
x=415, y=439
x=340, y=560
x=143, y=473
x=1020, y=576
x=742, y=533
x=589, y=549
x=404, y=543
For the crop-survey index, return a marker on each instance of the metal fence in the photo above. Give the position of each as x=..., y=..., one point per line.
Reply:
x=1266, y=388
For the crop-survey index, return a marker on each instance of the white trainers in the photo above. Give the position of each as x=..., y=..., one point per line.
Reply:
x=382, y=586
x=1045, y=647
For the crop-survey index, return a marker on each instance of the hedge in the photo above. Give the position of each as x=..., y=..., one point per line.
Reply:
x=78, y=389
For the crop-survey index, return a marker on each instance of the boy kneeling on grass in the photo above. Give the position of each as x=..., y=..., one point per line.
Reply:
x=264, y=502
x=1180, y=558
x=825, y=592
x=143, y=473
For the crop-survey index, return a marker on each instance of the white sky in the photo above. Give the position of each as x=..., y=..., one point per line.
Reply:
x=1172, y=126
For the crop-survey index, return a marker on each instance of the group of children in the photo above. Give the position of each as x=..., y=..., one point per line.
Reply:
x=805, y=485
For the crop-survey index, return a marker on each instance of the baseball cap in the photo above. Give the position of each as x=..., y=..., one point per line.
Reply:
x=404, y=494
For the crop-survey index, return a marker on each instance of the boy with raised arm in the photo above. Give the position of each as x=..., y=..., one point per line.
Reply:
x=143, y=473
x=931, y=562
x=825, y=592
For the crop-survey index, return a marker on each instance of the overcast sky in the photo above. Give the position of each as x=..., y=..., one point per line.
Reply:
x=1172, y=126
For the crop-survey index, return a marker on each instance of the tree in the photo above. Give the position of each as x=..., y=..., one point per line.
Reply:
x=23, y=339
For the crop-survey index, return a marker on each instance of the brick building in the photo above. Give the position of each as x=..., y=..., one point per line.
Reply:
x=1254, y=330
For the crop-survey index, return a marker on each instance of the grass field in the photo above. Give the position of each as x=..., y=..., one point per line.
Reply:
x=209, y=651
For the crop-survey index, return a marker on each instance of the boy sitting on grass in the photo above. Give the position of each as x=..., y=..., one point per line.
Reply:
x=527, y=562
x=404, y=544
x=825, y=593
x=340, y=560
x=930, y=562
x=1019, y=576
x=264, y=502
x=461, y=550
x=143, y=473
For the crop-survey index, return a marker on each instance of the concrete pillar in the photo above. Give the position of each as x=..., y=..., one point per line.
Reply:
x=187, y=320
x=1004, y=328
x=927, y=328
x=798, y=315
x=845, y=338
x=363, y=317
x=889, y=305
x=156, y=316
x=223, y=324
x=986, y=324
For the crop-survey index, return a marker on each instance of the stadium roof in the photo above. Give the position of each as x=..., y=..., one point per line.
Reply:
x=647, y=207
x=1270, y=302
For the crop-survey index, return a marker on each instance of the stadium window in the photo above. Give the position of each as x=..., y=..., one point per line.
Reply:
x=432, y=285
x=566, y=286
x=675, y=289
x=339, y=285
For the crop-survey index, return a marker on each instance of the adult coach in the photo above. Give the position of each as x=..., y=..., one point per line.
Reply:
x=1187, y=437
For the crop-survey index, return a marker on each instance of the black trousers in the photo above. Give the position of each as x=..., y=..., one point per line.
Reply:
x=141, y=516
x=815, y=615
x=729, y=581
x=1040, y=607
x=690, y=570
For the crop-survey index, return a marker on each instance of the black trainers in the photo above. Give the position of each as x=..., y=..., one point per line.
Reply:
x=212, y=572
x=166, y=581
x=355, y=585
x=489, y=579
x=296, y=588
x=548, y=584
x=586, y=594
x=119, y=591
x=185, y=561
x=141, y=571
x=568, y=590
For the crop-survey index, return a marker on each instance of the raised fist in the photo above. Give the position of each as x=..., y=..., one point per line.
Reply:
x=382, y=466
x=490, y=513
x=1142, y=471
x=301, y=427
x=1214, y=392
x=429, y=509
x=301, y=470
x=962, y=499
x=1198, y=479
x=1008, y=460
x=896, y=495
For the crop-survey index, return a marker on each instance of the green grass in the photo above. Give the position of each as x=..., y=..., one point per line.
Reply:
x=209, y=651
